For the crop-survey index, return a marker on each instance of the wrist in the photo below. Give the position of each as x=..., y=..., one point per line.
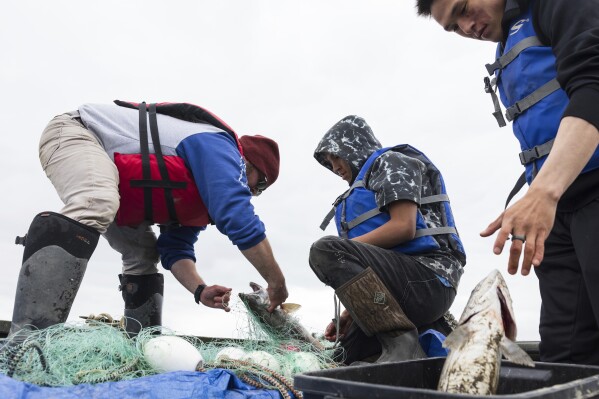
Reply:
x=548, y=192
x=197, y=295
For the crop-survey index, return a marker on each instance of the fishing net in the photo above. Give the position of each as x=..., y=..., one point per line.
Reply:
x=69, y=354
x=97, y=351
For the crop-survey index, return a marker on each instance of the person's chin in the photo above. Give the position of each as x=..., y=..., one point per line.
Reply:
x=491, y=35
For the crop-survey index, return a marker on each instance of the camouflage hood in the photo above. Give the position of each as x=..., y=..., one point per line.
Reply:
x=350, y=139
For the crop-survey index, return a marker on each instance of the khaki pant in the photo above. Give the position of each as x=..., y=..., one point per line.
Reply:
x=87, y=180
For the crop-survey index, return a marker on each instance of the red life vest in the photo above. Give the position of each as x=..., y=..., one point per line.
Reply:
x=163, y=191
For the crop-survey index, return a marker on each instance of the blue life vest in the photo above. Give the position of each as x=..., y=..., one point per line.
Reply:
x=525, y=74
x=356, y=212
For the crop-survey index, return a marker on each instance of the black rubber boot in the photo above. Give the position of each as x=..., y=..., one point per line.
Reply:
x=400, y=345
x=377, y=313
x=57, y=250
x=143, y=301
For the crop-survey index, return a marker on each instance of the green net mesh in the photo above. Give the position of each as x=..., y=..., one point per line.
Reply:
x=94, y=352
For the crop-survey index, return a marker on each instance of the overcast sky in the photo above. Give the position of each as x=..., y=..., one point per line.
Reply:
x=285, y=69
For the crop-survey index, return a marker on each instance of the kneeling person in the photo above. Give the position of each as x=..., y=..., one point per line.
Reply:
x=398, y=261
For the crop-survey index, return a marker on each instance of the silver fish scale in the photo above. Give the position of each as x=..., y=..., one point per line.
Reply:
x=476, y=345
x=474, y=367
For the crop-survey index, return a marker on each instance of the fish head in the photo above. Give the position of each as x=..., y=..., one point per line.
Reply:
x=257, y=303
x=491, y=298
x=257, y=300
x=280, y=322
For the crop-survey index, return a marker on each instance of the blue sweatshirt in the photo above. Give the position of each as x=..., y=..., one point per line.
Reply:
x=212, y=157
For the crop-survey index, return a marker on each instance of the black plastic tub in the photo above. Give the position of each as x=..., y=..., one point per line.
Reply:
x=418, y=380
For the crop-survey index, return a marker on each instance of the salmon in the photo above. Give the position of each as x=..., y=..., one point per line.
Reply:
x=486, y=331
x=280, y=322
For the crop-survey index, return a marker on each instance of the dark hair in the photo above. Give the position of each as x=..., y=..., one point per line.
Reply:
x=424, y=7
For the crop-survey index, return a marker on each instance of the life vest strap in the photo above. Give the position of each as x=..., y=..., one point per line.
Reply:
x=327, y=219
x=362, y=218
x=435, y=231
x=511, y=55
x=373, y=212
x=346, y=226
x=158, y=184
x=147, y=183
x=168, y=193
x=490, y=87
x=145, y=160
x=499, y=64
x=520, y=106
x=434, y=198
x=536, y=152
x=527, y=157
x=517, y=187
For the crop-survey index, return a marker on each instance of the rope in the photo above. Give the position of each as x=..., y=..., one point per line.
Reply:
x=112, y=376
x=14, y=361
x=257, y=381
x=255, y=375
x=337, y=318
x=105, y=318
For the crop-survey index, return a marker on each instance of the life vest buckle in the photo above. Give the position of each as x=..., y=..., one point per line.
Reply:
x=344, y=225
x=536, y=152
x=529, y=156
x=512, y=112
x=488, y=86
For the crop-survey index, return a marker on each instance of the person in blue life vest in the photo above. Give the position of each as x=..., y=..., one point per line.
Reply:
x=120, y=168
x=547, y=73
x=398, y=260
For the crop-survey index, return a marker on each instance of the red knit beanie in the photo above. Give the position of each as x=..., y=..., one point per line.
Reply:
x=263, y=153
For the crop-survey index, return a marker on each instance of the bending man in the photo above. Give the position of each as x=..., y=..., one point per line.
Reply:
x=121, y=168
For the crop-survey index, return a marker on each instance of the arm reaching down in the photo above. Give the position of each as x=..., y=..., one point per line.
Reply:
x=262, y=258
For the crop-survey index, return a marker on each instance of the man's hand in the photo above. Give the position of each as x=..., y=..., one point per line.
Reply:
x=216, y=296
x=277, y=295
x=330, y=332
x=527, y=223
x=533, y=216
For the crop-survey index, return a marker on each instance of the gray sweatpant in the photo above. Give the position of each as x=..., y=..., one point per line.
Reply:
x=87, y=181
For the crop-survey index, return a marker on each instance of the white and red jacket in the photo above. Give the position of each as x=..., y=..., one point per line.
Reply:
x=201, y=153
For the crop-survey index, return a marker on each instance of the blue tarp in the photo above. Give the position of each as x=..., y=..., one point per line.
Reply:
x=213, y=384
